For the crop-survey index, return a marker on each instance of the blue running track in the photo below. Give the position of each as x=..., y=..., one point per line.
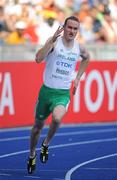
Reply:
x=77, y=152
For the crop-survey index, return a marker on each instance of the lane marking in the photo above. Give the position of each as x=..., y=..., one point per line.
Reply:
x=62, y=145
x=58, y=179
x=62, y=134
x=62, y=126
x=101, y=168
x=69, y=173
x=4, y=174
x=29, y=176
x=36, y=177
x=18, y=138
x=15, y=129
x=46, y=170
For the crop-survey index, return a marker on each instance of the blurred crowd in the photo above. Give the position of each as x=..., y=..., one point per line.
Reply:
x=33, y=21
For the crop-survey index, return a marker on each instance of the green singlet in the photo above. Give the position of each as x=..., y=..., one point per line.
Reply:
x=48, y=99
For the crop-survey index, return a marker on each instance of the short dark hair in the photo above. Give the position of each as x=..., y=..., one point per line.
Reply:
x=74, y=18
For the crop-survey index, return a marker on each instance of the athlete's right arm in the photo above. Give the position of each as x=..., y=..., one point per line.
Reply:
x=49, y=45
x=44, y=51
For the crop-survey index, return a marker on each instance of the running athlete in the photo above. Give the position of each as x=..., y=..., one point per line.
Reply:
x=61, y=53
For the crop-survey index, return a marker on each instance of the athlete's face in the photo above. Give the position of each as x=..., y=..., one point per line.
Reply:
x=71, y=29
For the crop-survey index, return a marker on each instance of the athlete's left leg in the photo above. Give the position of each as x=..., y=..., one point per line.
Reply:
x=57, y=115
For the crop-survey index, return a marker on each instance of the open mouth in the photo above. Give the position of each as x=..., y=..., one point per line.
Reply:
x=71, y=35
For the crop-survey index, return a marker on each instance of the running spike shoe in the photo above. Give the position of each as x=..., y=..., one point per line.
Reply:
x=44, y=153
x=31, y=164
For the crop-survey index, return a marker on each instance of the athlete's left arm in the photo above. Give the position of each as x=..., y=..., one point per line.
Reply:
x=82, y=67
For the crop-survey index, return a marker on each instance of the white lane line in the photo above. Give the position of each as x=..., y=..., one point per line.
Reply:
x=16, y=138
x=35, y=177
x=11, y=169
x=14, y=129
x=62, y=145
x=4, y=174
x=58, y=179
x=45, y=170
x=62, y=134
x=102, y=124
x=69, y=173
x=29, y=176
x=101, y=168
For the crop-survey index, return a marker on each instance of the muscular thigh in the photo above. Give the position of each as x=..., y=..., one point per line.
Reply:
x=58, y=112
x=52, y=100
x=42, y=109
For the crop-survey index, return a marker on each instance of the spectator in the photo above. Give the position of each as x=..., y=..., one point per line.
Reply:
x=109, y=28
x=17, y=37
x=47, y=27
x=30, y=34
x=60, y=16
x=100, y=8
x=84, y=11
x=4, y=29
x=42, y=17
x=113, y=9
x=97, y=25
x=86, y=30
x=69, y=8
x=60, y=4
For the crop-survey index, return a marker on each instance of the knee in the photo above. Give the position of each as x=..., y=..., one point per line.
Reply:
x=37, y=128
x=56, y=120
x=55, y=123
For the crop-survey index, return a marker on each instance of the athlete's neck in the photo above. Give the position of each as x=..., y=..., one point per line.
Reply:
x=67, y=43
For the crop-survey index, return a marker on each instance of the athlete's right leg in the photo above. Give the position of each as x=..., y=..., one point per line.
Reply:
x=35, y=133
x=41, y=113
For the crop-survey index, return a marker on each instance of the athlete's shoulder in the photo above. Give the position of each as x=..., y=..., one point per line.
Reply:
x=76, y=45
x=82, y=47
x=84, y=52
